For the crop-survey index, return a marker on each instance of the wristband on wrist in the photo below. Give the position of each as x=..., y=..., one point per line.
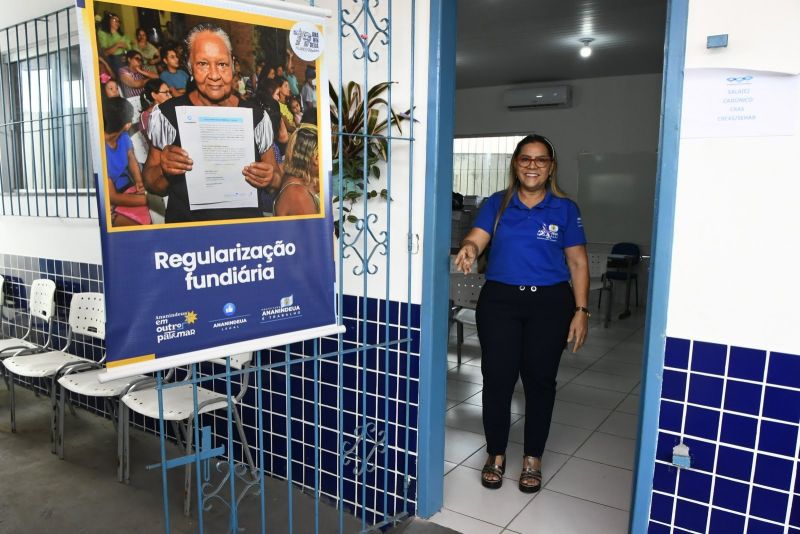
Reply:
x=583, y=309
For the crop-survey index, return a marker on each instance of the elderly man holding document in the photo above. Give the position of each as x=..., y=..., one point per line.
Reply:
x=211, y=151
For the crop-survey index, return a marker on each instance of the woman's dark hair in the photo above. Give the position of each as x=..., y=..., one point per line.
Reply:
x=130, y=54
x=152, y=86
x=309, y=115
x=105, y=24
x=513, y=181
x=117, y=112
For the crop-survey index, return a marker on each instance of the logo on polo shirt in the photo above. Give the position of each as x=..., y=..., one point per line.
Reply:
x=548, y=232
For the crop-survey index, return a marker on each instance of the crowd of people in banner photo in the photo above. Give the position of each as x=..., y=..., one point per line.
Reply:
x=146, y=72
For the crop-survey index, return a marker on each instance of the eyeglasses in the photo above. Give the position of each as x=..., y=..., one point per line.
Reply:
x=538, y=161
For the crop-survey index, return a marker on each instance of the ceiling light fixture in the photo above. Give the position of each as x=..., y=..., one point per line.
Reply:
x=586, y=50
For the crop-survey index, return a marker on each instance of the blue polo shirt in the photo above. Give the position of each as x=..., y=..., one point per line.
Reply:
x=528, y=248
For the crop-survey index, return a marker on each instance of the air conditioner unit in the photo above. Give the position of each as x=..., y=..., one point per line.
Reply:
x=556, y=96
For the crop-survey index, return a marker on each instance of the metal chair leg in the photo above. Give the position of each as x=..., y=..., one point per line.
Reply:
x=459, y=339
x=13, y=407
x=245, y=446
x=187, y=483
x=60, y=436
x=54, y=400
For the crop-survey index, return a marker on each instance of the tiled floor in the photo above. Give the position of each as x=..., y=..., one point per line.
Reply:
x=588, y=465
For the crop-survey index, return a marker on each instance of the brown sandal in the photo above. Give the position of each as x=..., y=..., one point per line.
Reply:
x=530, y=480
x=493, y=468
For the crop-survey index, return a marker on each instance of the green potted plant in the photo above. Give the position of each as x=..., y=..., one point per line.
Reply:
x=358, y=153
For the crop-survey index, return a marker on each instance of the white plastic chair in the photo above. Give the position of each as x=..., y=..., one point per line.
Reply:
x=464, y=292
x=82, y=378
x=41, y=305
x=83, y=319
x=179, y=407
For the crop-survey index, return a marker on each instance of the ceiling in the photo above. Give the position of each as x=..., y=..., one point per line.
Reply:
x=503, y=42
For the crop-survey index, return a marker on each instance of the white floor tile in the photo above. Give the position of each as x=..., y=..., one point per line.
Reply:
x=469, y=417
x=555, y=513
x=466, y=373
x=588, y=351
x=460, y=444
x=579, y=360
x=463, y=493
x=460, y=391
x=449, y=466
x=565, y=374
x=612, y=367
x=601, y=342
x=580, y=415
x=621, y=424
x=594, y=482
x=631, y=356
x=596, y=379
x=517, y=401
x=608, y=449
x=591, y=396
x=464, y=524
x=563, y=438
x=450, y=403
x=551, y=463
x=637, y=389
x=630, y=404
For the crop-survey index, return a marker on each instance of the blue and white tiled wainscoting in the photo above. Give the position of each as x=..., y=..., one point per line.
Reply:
x=365, y=408
x=737, y=409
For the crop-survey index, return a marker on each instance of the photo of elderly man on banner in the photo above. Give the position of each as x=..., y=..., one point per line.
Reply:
x=212, y=177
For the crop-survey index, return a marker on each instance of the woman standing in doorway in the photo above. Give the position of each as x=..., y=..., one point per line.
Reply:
x=527, y=311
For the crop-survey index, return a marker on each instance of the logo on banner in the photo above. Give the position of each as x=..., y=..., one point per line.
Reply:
x=285, y=310
x=548, y=232
x=175, y=325
x=229, y=322
x=306, y=41
x=229, y=309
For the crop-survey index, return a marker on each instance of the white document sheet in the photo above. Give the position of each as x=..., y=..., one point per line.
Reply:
x=220, y=142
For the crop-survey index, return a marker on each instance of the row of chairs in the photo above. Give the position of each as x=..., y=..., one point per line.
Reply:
x=66, y=373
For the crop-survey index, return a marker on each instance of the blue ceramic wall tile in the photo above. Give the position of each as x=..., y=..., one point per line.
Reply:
x=747, y=363
x=739, y=430
x=762, y=527
x=734, y=463
x=725, y=522
x=691, y=516
x=670, y=416
x=784, y=369
x=743, y=397
x=730, y=494
x=701, y=422
x=664, y=478
x=778, y=438
x=657, y=528
x=769, y=504
x=661, y=508
x=674, y=385
x=794, y=517
x=676, y=353
x=705, y=390
x=702, y=453
x=773, y=472
x=694, y=485
x=709, y=357
x=664, y=445
x=783, y=404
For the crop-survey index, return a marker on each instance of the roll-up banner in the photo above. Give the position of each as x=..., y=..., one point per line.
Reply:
x=211, y=142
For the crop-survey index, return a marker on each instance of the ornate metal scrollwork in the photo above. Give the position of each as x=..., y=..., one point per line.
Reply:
x=215, y=491
x=377, y=243
x=373, y=440
x=371, y=30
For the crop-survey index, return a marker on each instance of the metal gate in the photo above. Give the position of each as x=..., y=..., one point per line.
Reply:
x=330, y=424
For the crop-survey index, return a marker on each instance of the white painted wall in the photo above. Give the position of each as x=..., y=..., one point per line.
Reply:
x=736, y=228
x=615, y=115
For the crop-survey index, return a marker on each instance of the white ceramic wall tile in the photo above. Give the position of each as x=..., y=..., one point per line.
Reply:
x=592, y=481
x=463, y=493
x=590, y=396
x=621, y=424
x=555, y=513
x=608, y=449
